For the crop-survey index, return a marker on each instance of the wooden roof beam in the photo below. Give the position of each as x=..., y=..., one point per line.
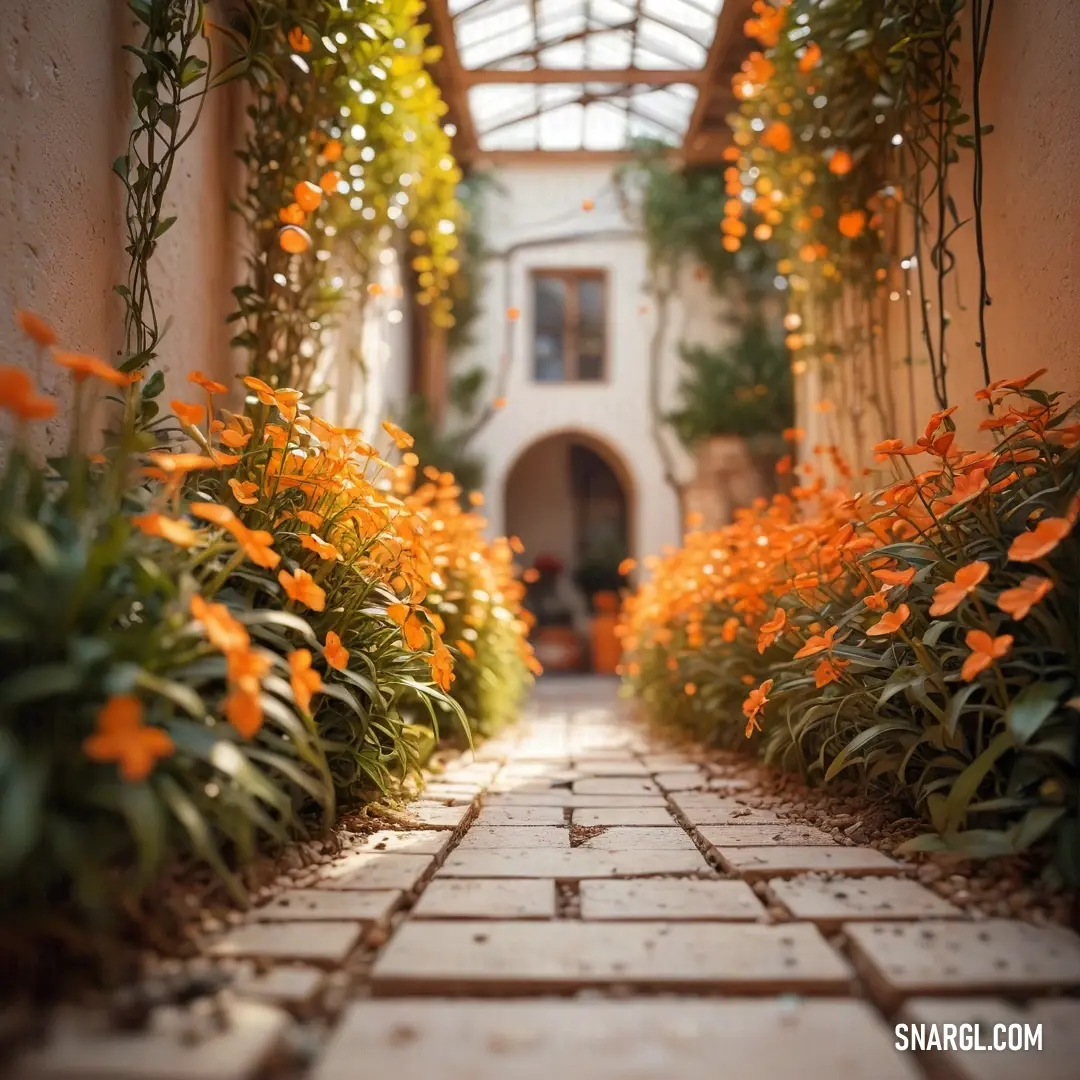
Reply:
x=622, y=76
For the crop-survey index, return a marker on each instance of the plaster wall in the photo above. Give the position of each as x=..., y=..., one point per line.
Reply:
x=536, y=219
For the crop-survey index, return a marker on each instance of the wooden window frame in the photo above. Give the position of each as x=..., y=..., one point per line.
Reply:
x=571, y=322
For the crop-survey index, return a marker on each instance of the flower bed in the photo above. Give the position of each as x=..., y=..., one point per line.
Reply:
x=206, y=652
x=922, y=637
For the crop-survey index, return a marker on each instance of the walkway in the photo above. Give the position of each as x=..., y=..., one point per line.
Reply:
x=610, y=913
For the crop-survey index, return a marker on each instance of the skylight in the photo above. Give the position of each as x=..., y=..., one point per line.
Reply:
x=639, y=49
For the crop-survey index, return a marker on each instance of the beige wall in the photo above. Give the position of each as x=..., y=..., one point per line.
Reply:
x=64, y=118
x=1031, y=213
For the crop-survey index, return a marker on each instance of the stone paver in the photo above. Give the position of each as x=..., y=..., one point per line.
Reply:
x=832, y=902
x=407, y=842
x=82, y=1047
x=646, y=1039
x=544, y=957
x=477, y=898
x=726, y=836
x=571, y=800
x=662, y=898
x=508, y=816
x=637, y=816
x=1055, y=1059
x=726, y=812
x=680, y=781
x=439, y=817
x=601, y=767
x=514, y=836
x=308, y=905
x=758, y=863
x=615, y=786
x=571, y=865
x=316, y=942
x=995, y=956
x=376, y=870
x=641, y=838
x=293, y=986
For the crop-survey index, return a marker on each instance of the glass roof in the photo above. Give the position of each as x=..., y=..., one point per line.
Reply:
x=582, y=35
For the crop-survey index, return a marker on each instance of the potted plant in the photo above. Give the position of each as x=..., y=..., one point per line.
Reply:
x=599, y=571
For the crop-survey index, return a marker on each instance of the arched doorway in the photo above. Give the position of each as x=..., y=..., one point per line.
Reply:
x=569, y=499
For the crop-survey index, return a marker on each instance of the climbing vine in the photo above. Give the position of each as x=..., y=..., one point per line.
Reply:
x=849, y=125
x=347, y=158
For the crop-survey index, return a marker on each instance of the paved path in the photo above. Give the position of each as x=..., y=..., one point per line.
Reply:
x=576, y=905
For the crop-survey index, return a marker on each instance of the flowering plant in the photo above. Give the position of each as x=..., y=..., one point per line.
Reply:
x=201, y=646
x=922, y=636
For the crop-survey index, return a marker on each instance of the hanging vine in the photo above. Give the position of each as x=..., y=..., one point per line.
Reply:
x=849, y=125
x=346, y=157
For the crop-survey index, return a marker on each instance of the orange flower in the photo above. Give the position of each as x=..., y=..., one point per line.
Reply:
x=303, y=678
x=258, y=546
x=235, y=440
x=465, y=649
x=332, y=150
x=320, y=547
x=1038, y=543
x=84, y=366
x=829, y=671
x=730, y=630
x=245, y=492
x=754, y=705
x=294, y=240
x=329, y=182
x=208, y=384
x=810, y=58
x=246, y=669
x=896, y=446
x=690, y=689
x=292, y=215
x=951, y=594
x=300, y=586
x=412, y=629
x=35, y=328
x=244, y=711
x=984, y=651
x=513, y=314
x=122, y=737
x=777, y=136
x=852, y=224
x=841, y=163
x=895, y=577
x=817, y=643
x=179, y=464
x=18, y=397
x=1019, y=601
x=587, y=205
x=771, y=630
x=335, y=654
x=308, y=196
x=442, y=668
x=188, y=414
x=215, y=513
x=223, y=630
x=299, y=41
x=176, y=532
x=402, y=439
x=890, y=622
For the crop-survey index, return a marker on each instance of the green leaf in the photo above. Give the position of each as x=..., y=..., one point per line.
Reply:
x=860, y=740
x=192, y=70
x=967, y=783
x=1035, y=825
x=198, y=831
x=1033, y=706
x=120, y=166
x=40, y=683
x=163, y=226
x=900, y=680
